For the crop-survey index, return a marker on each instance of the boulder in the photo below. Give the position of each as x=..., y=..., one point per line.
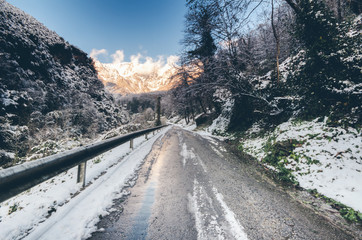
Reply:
x=205, y=118
x=6, y=158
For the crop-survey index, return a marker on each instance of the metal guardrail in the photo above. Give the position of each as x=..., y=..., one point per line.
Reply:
x=19, y=178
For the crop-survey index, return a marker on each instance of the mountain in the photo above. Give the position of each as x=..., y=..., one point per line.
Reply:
x=49, y=89
x=133, y=77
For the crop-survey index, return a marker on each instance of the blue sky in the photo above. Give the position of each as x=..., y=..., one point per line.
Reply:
x=150, y=27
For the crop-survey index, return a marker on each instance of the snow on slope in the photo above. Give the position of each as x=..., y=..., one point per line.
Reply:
x=49, y=89
x=59, y=208
x=136, y=77
x=329, y=160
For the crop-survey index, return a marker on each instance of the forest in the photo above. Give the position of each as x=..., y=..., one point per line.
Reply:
x=271, y=60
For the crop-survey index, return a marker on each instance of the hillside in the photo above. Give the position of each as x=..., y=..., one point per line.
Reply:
x=49, y=89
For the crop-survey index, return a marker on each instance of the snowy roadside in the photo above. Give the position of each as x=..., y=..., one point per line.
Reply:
x=176, y=121
x=207, y=132
x=49, y=208
x=219, y=125
x=328, y=159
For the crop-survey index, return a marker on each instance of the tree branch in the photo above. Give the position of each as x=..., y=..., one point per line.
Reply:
x=294, y=6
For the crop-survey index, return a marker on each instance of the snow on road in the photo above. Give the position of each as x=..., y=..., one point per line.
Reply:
x=209, y=224
x=190, y=155
x=213, y=218
x=73, y=213
x=206, y=217
x=236, y=229
x=185, y=154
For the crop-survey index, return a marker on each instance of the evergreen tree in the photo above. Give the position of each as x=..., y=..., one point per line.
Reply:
x=206, y=47
x=321, y=81
x=200, y=50
x=316, y=28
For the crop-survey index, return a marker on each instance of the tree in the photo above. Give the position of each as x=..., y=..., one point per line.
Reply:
x=231, y=56
x=158, y=111
x=200, y=49
x=328, y=45
x=277, y=39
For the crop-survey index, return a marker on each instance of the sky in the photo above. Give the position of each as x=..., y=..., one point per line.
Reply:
x=114, y=28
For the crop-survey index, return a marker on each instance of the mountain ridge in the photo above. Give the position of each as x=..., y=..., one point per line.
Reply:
x=131, y=78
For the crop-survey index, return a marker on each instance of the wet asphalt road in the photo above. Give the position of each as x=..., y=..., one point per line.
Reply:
x=190, y=187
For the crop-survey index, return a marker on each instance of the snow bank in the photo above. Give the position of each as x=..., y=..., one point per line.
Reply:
x=220, y=124
x=58, y=207
x=329, y=159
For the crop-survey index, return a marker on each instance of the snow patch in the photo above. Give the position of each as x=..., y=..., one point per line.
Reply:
x=206, y=217
x=329, y=158
x=189, y=155
x=236, y=229
x=220, y=124
x=185, y=154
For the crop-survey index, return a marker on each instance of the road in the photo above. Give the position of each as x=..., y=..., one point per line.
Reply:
x=190, y=187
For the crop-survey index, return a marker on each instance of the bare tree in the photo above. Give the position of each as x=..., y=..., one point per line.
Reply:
x=277, y=40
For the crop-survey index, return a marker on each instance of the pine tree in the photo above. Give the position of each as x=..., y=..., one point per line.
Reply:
x=326, y=43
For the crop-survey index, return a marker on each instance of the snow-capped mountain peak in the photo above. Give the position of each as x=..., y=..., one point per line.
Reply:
x=136, y=76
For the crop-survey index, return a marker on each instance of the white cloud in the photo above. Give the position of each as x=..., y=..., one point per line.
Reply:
x=146, y=65
x=172, y=60
x=95, y=52
x=118, y=57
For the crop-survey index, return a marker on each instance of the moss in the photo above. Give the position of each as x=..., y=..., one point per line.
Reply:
x=346, y=212
x=277, y=154
x=285, y=175
x=13, y=208
x=97, y=160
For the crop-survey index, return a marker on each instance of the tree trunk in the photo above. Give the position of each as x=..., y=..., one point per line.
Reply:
x=192, y=112
x=276, y=36
x=339, y=10
x=187, y=117
x=158, y=111
x=202, y=105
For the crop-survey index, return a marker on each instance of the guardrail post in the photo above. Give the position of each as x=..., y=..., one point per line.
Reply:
x=153, y=133
x=131, y=143
x=81, y=173
x=146, y=136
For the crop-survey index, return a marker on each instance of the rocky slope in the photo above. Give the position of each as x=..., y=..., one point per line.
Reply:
x=49, y=89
